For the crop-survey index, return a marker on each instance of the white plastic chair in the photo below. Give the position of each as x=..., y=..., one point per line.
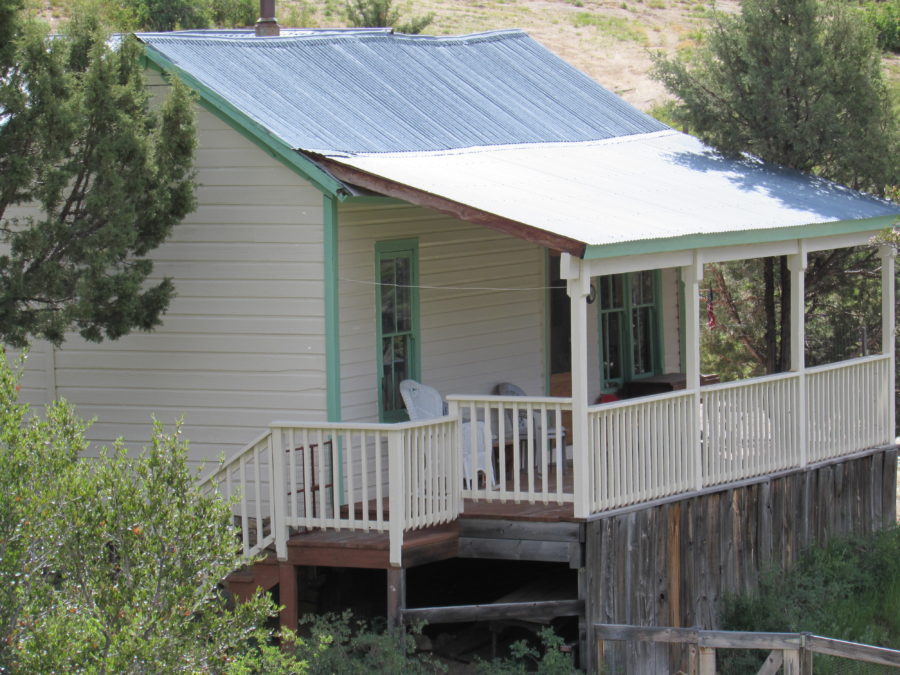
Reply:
x=510, y=389
x=426, y=403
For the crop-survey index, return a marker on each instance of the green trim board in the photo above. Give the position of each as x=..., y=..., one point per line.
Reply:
x=714, y=239
x=248, y=128
x=396, y=322
x=332, y=309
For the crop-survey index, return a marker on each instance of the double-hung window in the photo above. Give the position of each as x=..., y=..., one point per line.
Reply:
x=397, y=322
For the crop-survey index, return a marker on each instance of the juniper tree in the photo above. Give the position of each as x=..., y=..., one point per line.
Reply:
x=91, y=180
x=797, y=83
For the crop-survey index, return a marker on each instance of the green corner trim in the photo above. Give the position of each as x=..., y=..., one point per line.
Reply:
x=251, y=130
x=714, y=239
x=332, y=326
x=332, y=310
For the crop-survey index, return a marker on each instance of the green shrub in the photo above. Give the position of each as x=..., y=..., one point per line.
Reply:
x=549, y=660
x=884, y=16
x=337, y=644
x=848, y=589
x=110, y=565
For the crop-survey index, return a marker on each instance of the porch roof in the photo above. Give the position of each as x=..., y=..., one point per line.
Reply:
x=634, y=194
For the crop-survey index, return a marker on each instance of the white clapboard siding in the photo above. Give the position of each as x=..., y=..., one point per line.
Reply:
x=470, y=339
x=243, y=342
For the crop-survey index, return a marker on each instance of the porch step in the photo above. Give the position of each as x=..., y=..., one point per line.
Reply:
x=371, y=550
x=500, y=539
x=263, y=574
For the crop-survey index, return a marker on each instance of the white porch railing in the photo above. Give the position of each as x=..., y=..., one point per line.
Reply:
x=526, y=438
x=750, y=428
x=847, y=405
x=366, y=477
x=642, y=449
x=646, y=448
x=398, y=477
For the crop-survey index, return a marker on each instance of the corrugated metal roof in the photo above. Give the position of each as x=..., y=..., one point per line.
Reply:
x=373, y=91
x=497, y=123
x=654, y=186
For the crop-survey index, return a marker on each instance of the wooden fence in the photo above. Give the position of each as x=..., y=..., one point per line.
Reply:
x=790, y=652
x=670, y=564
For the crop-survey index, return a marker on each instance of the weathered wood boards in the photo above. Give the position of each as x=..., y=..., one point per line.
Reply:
x=670, y=565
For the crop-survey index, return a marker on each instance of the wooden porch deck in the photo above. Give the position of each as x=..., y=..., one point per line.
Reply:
x=361, y=549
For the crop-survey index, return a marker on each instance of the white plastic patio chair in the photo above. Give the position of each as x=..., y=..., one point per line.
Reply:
x=510, y=389
x=426, y=403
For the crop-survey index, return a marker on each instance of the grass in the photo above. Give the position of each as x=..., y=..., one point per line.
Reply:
x=616, y=27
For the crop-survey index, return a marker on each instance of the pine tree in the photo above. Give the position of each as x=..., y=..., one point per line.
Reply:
x=797, y=83
x=107, y=176
x=794, y=82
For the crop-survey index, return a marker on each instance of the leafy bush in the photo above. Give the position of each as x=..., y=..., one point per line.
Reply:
x=884, y=16
x=109, y=565
x=383, y=13
x=549, y=660
x=337, y=644
x=848, y=589
x=166, y=15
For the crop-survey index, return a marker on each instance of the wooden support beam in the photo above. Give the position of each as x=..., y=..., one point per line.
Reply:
x=287, y=594
x=500, y=611
x=396, y=596
x=791, y=661
x=707, y=661
x=772, y=663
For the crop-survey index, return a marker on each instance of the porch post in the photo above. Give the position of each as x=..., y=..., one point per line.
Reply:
x=578, y=287
x=797, y=266
x=693, y=275
x=888, y=330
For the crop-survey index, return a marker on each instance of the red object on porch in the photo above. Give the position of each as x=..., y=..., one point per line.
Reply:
x=607, y=398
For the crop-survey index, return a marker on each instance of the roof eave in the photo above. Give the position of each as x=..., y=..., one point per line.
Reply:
x=459, y=210
x=736, y=238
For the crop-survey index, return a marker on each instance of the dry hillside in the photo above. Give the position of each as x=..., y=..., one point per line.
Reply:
x=611, y=41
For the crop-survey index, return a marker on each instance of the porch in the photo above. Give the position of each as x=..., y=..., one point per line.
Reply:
x=393, y=479
x=385, y=485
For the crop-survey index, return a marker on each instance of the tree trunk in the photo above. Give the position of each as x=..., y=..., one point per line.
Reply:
x=784, y=351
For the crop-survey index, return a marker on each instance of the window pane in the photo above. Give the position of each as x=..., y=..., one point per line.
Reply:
x=403, y=294
x=647, y=288
x=388, y=297
x=395, y=369
x=642, y=352
x=612, y=346
x=618, y=291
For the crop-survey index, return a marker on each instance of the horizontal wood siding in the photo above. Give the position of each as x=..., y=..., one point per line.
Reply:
x=671, y=565
x=470, y=339
x=243, y=342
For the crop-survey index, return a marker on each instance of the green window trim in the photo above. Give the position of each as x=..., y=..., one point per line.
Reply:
x=397, y=322
x=629, y=311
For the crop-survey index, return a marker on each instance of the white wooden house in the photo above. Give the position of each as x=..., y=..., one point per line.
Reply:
x=460, y=211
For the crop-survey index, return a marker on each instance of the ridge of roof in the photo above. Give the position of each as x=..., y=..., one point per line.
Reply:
x=247, y=36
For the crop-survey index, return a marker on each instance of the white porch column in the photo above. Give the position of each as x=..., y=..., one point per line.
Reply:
x=579, y=287
x=692, y=275
x=797, y=266
x=888, y=330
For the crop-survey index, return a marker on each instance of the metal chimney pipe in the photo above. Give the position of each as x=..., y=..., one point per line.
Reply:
x=266, y=24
